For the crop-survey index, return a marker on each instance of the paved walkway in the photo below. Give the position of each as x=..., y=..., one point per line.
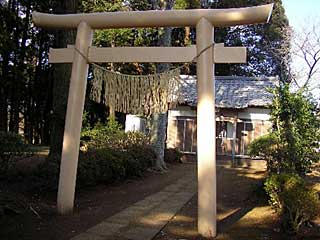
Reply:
x=144, y=219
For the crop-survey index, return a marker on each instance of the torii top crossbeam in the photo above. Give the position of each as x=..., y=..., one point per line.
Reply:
x=156, y=18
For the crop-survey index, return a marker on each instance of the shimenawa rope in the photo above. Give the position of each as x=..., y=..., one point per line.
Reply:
x=137, y=94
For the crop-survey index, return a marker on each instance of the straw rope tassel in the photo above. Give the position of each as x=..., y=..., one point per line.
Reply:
x=136, y=94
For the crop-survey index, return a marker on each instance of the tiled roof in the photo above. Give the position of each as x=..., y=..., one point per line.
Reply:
x=232, y=91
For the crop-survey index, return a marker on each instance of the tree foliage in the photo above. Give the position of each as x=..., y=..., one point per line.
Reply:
x=296, y=125
x=60, y=77
x=33, y=94
x=259, y=40
x=292, y=200
x=294, y=142
x=24, y=74
x=123, y=37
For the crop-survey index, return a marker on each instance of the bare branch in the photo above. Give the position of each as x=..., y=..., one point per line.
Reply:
x=305, y=51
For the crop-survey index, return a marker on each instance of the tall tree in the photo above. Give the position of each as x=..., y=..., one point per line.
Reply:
x=61, y=79
x=125, y=36
x=23, y=51
x=259, y=39
x=120, y=37
x=10, y=77
x=159, y=120
x=5, y=49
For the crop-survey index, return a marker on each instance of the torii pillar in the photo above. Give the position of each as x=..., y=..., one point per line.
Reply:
x=82, y=54
x=206, y=132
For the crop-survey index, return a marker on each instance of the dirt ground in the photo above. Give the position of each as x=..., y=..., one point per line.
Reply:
x=241, y=213
x=36, y=216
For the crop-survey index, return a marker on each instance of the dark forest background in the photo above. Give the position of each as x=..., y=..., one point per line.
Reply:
x=33, y=93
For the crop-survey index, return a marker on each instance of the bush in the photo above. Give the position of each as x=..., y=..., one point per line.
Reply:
x=102, y=165
x=142, y=157
x=265, y=147
x=112, y=136
x=12, y=144
x=262, y=146
x=172, y=155
x=133, y=139
x=292, y=200
x=46, y=176
x=108, y=154
x=107, y=165
x=296, y=132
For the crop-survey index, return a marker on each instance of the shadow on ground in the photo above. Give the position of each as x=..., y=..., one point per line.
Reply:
x=241, y=214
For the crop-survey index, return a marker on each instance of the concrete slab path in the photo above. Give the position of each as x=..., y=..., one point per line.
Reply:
x=144, y=219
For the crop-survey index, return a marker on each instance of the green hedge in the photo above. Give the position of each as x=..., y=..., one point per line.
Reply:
x=265, y=147
x=102, y=165
x=111, y=135
x=11, y=145
x=293, y=201
x=107, y=165
x=107, y=154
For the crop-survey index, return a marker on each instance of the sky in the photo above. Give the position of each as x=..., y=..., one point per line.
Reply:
x=301, y=14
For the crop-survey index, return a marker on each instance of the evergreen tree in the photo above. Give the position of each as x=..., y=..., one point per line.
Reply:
x=23, y=74
x=61, y=78
x=261, y=40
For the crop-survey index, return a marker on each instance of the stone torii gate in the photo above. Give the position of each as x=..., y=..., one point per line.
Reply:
x=83, y=53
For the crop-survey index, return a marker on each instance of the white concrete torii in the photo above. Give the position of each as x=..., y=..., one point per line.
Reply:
x=204, y=20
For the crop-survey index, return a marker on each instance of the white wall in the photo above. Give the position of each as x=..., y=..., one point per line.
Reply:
x=135, y=123
x=249, y=113
x=182, y=113
x=255, y=114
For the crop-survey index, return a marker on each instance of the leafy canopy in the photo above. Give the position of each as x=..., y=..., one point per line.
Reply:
x=293, y=144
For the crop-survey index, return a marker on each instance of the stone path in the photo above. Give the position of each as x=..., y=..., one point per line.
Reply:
x=144, y=219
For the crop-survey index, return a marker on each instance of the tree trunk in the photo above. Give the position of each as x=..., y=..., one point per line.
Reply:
x=204, y=3
x=61, y=80
x=17, y=75
x=3, y=96
x=158, y=138
x=159, y=121
x=3, y=111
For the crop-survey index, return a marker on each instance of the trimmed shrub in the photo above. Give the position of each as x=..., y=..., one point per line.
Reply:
x=46, y=176
x=107, y=165
x=292, y=200
x=142, y=157
x=12, y=144
x=112, y=136
x=172, y=155
x=265, y=147
x=107, y=154
x=102, y=165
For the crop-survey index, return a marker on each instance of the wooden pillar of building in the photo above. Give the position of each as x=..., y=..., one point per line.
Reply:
x=234, y=141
